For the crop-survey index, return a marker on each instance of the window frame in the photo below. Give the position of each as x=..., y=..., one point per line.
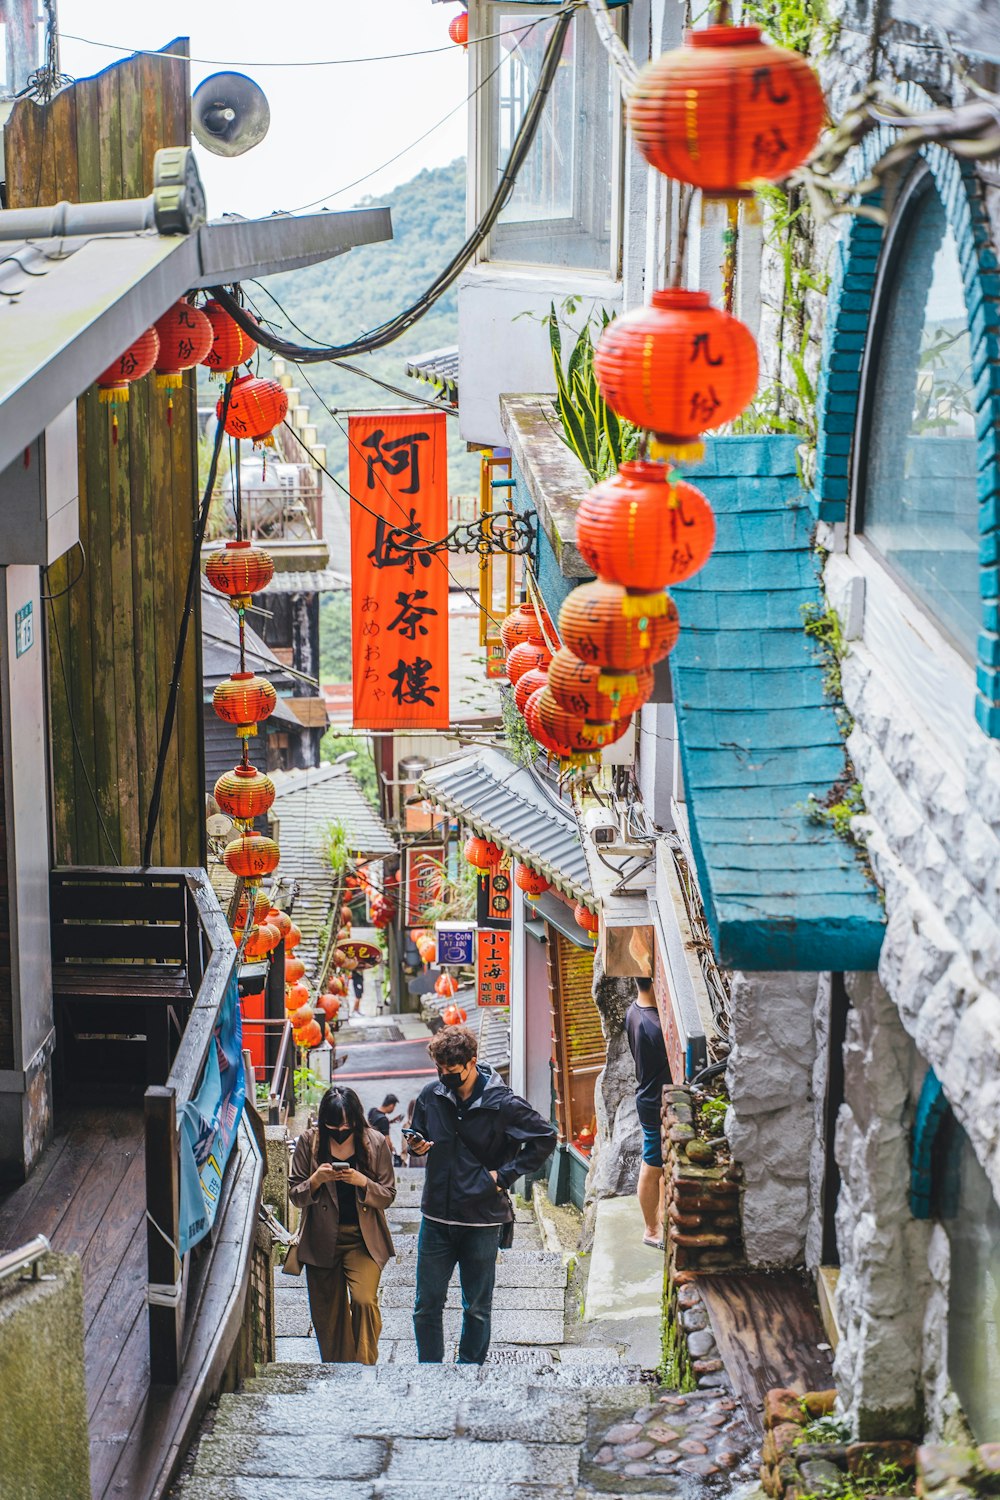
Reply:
x=919, y=181
x=486, y=115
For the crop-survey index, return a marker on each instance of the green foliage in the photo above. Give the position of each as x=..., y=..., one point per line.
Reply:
x=882, y=1479
x=848, y=803
x=712, y=1114
x=675, y=1363
x=457, y=900
x=822, y=625
x=362, y=767
x=828, y=1429
x=599, y=438
x=309, y=1087
x=803, y=25
x=334, y=844
x=335, y=655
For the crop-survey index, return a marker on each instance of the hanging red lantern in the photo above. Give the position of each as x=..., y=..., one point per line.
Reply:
x=528, y=684
x=526, y=657
x=239, y=571
x=530, y=882
x=602, y=623
x=569, y=729
x=726, y=110
x=279, y=919
x=245, y=701
x=293, y=938
x=542, y=737
x=587, y=919
x=458, y=30
x=310, y=1036
x=645, y=528
x=261, y=940
x=296, y=995
x=244, y=793
x=251, y=855
x=294, y=970
x=185, y=336
x=454, y=1015
x=260, y=909
x=445, y=985
x=256, y=408
x=136, y=361
x=585, y=689
x=677, y=368
x=231, y=347
x=337, y=985
x=523, y=624
x=482, y=855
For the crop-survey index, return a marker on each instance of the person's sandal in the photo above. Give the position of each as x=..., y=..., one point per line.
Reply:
x=652, y=1242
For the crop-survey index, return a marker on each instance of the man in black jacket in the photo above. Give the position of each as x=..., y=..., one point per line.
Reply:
x=479, y=1137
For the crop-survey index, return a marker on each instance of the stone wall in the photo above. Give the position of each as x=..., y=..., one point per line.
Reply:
x=771, y=1121
x=701, y=1197
x=617, y=1152
x=795, y=1463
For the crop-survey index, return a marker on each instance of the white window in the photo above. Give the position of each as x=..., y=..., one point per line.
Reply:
x=565, y=207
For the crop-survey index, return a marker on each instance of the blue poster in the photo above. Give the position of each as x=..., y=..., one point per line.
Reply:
x=209, y=1123
x=455, y=945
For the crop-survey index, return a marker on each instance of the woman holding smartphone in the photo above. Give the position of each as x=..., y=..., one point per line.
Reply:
x=342, y=1181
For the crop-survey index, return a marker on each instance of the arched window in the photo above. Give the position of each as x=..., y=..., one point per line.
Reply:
x=915, y=476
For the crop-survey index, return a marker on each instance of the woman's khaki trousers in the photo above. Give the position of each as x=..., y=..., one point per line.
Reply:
x=347, y=1331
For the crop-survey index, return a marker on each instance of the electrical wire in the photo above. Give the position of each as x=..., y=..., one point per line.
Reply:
x=388, y=332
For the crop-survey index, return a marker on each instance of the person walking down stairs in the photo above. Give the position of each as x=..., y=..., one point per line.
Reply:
x=478, y=1137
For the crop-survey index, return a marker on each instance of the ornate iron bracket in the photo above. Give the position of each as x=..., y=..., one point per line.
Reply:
x=496, y=534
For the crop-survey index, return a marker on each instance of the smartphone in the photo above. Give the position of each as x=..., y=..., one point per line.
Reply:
x=413, y=1136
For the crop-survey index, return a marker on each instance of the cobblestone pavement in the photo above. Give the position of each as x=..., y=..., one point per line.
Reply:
x=542, y=1418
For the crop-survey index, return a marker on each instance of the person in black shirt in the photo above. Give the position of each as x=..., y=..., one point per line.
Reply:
x=652, y=1072
x=381, y=1117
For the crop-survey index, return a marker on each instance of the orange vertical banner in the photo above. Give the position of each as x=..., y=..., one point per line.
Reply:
x=399, y=599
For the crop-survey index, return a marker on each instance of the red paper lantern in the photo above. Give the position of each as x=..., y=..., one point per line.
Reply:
x=459, y=29
x=244, y=793
x=261, y=940
x=310, y=1036
x=525, y=658
x=293, y=938
x=453, y=1015
x=294, y=970
x=482, y=855
x=296, y=995
x=445, y=985
x=528, y=684
x=586, y=919
x=231, y=347
x=726, y=110
x=602, y=623
x=585, y=689
x=337, y=985
x=541, y=735
x=251, y=855
x=530, y=882
x=677, y=368
x=135, y=362
x=244, y=700
x=185, y=336
x=260, y=910
x=256, y=408
x=569, y=729
x=523, y=624
x=239, y=571
x=645, y=528
x=279, y=919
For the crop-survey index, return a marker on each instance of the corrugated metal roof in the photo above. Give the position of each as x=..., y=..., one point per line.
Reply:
x=318, y=581
x=306, y=802
x=512, y=806
x=439, y=368
x=221, y=643
x=758, y=734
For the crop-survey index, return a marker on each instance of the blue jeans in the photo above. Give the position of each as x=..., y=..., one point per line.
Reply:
x=440, y=1247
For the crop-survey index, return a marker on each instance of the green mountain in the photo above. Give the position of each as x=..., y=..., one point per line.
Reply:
x=335, y=301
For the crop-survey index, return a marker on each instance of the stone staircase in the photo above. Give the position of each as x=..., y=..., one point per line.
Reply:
x=539, y=1419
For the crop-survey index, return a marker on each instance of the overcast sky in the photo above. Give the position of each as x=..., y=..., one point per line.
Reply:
x=329, y=125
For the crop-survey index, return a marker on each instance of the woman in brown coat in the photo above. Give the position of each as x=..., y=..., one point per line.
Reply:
x=342, y=1182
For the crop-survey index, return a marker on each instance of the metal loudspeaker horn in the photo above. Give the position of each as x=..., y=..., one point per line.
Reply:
x=229, y=114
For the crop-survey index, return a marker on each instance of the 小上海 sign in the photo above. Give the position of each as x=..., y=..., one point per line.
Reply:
x=493, y=967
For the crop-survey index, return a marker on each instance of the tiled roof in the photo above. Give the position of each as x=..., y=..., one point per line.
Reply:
x=511, y=805
x=757, y=732
x=439, y=368
x=318, y=581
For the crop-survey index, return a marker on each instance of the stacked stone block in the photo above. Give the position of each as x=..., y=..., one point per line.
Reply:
x=792, y=1467
x=701, y=1194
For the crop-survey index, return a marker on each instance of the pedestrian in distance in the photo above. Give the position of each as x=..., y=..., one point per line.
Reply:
x=652, y=1074
x=478, y=1137
x=342, y=1181
x=380, y=1117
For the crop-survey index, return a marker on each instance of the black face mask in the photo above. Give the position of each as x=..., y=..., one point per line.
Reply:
x=340, y=1133
x=452, y=1081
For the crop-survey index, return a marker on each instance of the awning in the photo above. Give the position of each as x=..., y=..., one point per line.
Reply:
x=438, y=368
x=514, y=807
x=559, y=916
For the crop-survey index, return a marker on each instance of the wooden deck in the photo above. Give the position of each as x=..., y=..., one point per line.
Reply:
x=88, y=1195
x=768, y=1331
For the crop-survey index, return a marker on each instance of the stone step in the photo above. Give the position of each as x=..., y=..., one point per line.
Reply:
x=396, y=1294
x=236, y=1487
x=511, y=1324
x=527, y=1268
x=605, y=1377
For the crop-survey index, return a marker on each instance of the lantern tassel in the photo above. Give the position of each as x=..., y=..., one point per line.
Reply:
x=645, y=606
x=114, y=428
x=170, y=411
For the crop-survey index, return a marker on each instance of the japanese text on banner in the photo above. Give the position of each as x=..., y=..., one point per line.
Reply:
x=399, y=599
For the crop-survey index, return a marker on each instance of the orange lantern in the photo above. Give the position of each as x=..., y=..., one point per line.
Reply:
x=244, y=793
x=458, y=30
x=541, y=735
x=244, y=700
x=567, y=728
x=676, y=368
x=260, y=910
x=602, y=623
x=645, y=528
x=445, y=985
x=239, y=571
x=296, y=995
x=337, y=985
x=482, y=855
x=585, y=689
x=293, y=938
x=294, y=970
x=231, y=347
x=252, y=856
x=536, y=678
x=530, y=882
x=726, y=110
x=185, y=336
x=261, y=940
x=587, y=919
x=136, y=361
x=256, y=408
x=523, y=624
x=303, y=1016
x=309, y=1036
x=279, y=919
x=453, y=1015
x=329, y=1004
x=528, y=656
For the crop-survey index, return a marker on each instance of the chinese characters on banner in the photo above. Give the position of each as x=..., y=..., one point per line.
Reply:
x=424, y=873
x=399, y=599
x=493, y=967
x=493, y=896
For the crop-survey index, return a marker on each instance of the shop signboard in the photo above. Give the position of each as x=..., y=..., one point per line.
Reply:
x=456, y=943
x=493, y=967
x=494, y=903
x=365, y=955
x=398, y=468
x=424, y=877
